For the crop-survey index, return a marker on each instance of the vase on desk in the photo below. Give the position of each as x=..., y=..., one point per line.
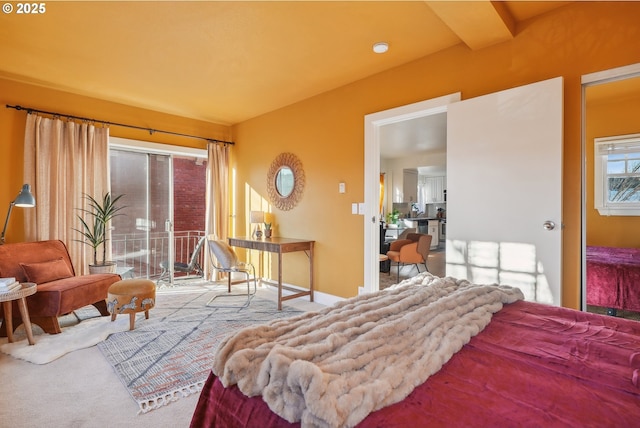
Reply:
x=267, y=233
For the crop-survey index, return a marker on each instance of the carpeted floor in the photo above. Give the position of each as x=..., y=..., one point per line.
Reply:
x=82, y=390
x=170, y=355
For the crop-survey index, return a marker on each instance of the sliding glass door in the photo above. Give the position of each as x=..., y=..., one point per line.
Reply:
x=142, y=238
x=164, y=219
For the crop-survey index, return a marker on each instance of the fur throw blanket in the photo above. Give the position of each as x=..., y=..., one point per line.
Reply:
x=333, y=367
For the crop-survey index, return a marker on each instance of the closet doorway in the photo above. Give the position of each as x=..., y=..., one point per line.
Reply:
x=611, y=196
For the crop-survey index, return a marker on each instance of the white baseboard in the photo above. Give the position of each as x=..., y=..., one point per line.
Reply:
x=318, y=296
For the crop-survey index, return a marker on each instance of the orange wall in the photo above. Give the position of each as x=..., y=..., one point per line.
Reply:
x=327, y=132
x=12, y=123
x=617, y=117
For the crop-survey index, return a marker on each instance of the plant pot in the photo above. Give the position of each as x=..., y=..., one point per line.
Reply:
x=109, y=267
x=267, y=233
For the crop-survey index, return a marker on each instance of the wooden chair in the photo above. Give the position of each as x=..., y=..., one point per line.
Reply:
x=412, y=250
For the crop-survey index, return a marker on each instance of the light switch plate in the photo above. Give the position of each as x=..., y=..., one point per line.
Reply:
x=361, y=208
x=342, y=187
x=354, y=208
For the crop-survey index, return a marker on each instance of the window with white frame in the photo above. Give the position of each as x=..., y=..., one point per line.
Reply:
x=617, y=175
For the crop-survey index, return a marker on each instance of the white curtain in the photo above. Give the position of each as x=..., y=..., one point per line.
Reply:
x=217, y=199
x=64, y=160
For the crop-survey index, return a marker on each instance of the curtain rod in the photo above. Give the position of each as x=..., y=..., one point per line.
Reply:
x=104, y=122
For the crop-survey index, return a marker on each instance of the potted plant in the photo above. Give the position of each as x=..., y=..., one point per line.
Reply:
x=267, y=230
x=393, y=217
x=94, y=230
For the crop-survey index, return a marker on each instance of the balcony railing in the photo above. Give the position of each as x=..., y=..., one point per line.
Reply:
x=139, y=254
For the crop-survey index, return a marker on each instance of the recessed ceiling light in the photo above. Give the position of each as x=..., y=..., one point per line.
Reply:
x=381, y=47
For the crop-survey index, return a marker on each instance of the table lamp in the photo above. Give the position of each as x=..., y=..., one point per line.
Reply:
x=25, y=200
x=257, y=217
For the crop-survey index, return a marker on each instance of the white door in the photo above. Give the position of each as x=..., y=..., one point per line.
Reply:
x=504, y=189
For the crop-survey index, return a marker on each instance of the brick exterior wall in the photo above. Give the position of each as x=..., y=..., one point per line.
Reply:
x=189, y=178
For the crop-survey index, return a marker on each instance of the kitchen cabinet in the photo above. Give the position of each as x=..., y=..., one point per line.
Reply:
x=410, y=185
x=433, y=229
x=435, y=189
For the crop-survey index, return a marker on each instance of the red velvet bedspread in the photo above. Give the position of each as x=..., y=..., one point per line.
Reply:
x=613, y=277
x=533, y=365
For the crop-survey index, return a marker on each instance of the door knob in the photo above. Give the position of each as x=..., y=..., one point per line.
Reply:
x=548, y=225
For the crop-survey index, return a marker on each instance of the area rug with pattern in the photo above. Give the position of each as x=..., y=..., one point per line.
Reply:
x=170, y=355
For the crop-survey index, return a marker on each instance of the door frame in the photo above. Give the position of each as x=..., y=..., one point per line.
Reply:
x=372, y=124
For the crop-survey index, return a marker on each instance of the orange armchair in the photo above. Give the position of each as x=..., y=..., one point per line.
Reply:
x=413, y=250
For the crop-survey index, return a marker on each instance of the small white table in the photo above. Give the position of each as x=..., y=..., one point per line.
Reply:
x=26, y=289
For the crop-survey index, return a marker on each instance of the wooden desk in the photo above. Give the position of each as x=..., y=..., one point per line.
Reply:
x=280, y=246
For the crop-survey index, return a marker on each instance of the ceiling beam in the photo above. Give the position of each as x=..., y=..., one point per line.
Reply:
x=478, y=24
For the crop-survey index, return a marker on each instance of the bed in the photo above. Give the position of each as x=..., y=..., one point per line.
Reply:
x=522, y=364
x=613, y=278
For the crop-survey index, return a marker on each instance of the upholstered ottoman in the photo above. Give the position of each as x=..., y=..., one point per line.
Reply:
x=130, y=296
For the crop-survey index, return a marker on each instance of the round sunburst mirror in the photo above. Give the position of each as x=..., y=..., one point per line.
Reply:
x=285, y=181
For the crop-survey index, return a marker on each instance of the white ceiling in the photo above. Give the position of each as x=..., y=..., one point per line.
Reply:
x=403, y=139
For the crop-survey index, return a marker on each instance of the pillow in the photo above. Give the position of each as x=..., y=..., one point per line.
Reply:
x=48, y=271
x=224, y=254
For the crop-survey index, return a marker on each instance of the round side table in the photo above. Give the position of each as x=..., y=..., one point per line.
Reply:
x=27, y=289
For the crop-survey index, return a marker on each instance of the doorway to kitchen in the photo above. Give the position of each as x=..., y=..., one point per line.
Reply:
x=374, y=128
x=509, y=247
